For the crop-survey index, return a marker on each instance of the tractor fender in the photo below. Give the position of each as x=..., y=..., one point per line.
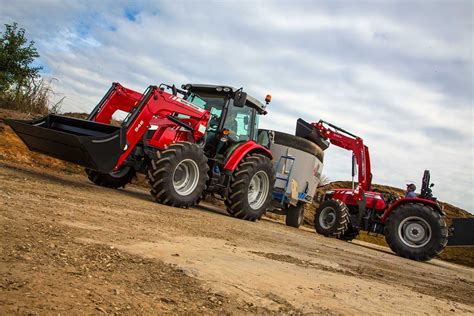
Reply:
x=399, y=202
x=243, y=150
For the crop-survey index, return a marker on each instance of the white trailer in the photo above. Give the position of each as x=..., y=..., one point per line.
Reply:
x=298, y=165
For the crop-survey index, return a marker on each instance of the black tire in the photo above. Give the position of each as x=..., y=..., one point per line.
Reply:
x=410, y=222
x=169, y=169
x=349, y=234
x=115, y=179
x=298, y=143
x=295, y=215
x=332, y=219
x=253, y=167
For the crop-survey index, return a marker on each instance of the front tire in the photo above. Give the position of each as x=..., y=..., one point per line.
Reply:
x=178, y=174
x=295, y=215
x=332, y=219
x=115, y=179
x=250, y=189
x=416, y=231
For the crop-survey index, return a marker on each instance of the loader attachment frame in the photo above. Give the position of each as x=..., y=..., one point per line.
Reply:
x=461, y=233
x=90, y=144
x=96, y=144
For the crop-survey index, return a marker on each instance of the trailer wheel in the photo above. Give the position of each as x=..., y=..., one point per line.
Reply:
x=251, y=188
x=332, y=219
x=178, y=174
x=416, y=231
x=115, y=179
x=295, y=215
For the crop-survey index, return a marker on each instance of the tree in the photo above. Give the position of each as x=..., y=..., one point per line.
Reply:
x=16, y=56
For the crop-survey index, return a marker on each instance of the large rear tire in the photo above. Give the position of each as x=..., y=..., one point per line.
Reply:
x=416, y=231
x=115, y=179
x=349, y=234
x=295, y=215
x=251, y=188
x=332, y=219
x=178, y=174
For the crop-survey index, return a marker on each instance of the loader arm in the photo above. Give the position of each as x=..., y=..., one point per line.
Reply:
x=343, y=139
x=98, y=145
x=117, y=98
x=155, y=104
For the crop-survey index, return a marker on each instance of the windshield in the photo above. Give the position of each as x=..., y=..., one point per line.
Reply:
x=238, y=120
x=196, y=100
x=213, y=104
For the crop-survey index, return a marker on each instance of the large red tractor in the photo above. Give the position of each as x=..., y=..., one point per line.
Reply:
x=189, y=142
x=414, y=228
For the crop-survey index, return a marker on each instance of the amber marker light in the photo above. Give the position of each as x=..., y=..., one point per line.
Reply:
x=268, y=98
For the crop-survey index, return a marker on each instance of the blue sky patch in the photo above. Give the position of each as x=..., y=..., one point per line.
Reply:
x=131, y=13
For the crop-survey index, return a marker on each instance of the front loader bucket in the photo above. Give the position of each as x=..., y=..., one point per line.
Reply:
x=462, y=232
x=309, y=132
x=90, y=144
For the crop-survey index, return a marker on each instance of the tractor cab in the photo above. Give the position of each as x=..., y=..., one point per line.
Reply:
x=233, y=121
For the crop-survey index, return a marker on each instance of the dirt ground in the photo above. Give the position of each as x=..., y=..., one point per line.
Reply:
x=69, y=247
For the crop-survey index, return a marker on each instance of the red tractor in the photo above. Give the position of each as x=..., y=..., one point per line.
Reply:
x=414, y=228
x=189, y=142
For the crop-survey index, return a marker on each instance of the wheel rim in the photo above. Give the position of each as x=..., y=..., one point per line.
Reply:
x=185, y=177
x=414, y=231
x=258, y=190
x=120, y=172
x=327, y=218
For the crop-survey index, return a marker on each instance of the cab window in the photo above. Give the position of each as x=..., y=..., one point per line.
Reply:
x=196, y=100
x=239, y=122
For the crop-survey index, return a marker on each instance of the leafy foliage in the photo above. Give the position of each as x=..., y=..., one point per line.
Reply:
x=21, y=87
x=16, y=56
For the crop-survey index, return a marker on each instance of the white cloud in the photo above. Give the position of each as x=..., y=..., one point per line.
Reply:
x=399, y=76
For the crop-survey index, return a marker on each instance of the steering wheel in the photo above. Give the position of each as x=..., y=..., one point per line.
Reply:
x=213, y=121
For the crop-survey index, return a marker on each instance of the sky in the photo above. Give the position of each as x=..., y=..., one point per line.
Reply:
x=397, y=73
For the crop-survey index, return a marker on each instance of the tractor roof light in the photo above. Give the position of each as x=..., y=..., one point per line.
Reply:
x=268, y=99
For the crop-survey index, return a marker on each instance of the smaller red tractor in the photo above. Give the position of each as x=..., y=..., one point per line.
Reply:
x=189, y=142
x=414, y=228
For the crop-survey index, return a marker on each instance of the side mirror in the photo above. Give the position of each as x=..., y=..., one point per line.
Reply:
x=431, y=185
x=240, y=98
